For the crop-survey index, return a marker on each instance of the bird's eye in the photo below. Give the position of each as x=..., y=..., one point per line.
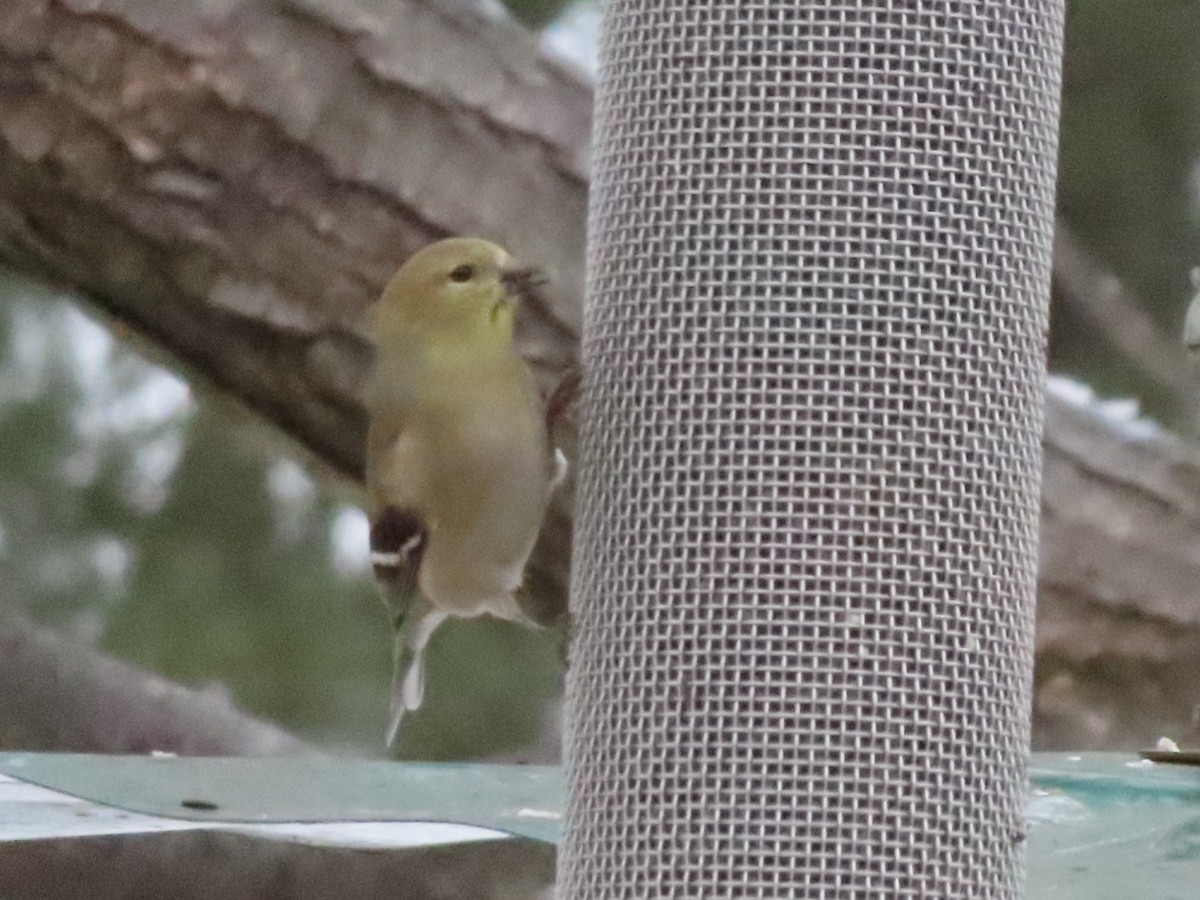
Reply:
x=463, y=273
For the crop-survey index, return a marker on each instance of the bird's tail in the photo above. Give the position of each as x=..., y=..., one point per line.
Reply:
x=413, y=626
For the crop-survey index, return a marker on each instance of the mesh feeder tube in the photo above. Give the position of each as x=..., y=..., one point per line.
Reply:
x=806, y=541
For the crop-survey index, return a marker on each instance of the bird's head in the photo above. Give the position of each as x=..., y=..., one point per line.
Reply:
x=460, y=289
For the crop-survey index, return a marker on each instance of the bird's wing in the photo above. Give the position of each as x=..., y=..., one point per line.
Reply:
x=395, y=487
x=398, y=540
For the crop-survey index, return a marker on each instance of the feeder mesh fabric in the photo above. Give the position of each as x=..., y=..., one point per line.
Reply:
x=806, y=542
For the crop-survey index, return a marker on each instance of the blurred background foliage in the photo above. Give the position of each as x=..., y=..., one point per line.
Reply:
x=152, y=517
x=536, y=13
x=1129, y=176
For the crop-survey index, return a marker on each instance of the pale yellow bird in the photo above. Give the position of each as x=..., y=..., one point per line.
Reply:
x=460, y=468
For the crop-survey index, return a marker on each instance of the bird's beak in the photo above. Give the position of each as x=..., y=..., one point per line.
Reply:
x=521, y=282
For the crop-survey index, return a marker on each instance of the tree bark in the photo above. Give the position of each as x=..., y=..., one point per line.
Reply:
x=1118, y=629
x=59, y=695
x=236, y=180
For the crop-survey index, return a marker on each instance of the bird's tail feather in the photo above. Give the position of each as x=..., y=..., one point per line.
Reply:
x=414, y=626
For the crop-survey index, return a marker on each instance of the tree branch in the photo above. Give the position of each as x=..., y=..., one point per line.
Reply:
x=1118, y=637
x=1101, y=299
x=58, y=695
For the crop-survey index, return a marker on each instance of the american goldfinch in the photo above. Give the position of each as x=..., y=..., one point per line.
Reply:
x=460, y=467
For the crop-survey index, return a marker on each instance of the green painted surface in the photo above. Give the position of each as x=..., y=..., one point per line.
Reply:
x=1101, y=826
x=1113, y=827
x=521, y=800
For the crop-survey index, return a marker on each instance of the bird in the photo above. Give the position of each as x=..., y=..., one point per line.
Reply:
x=460, y=467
